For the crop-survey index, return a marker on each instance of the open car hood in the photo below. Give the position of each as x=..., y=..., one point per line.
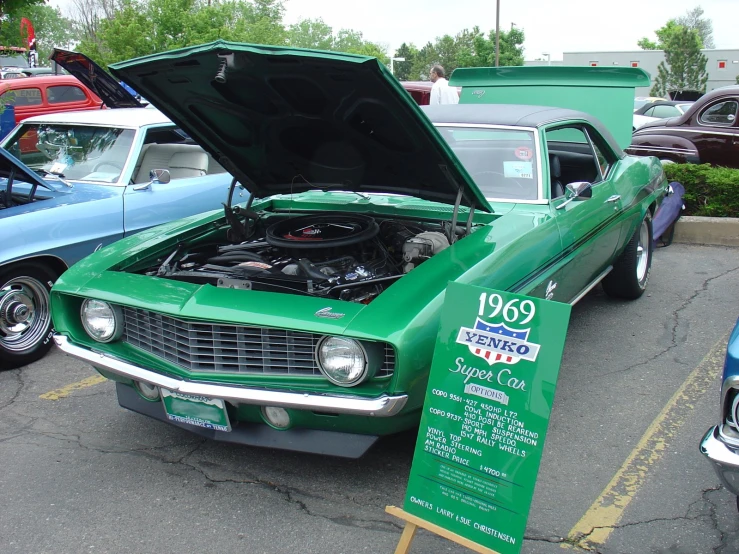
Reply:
x=10, y=165
x=95, y=78
x=285, y=120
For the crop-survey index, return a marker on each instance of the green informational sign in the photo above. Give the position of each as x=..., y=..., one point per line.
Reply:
x=486, y=413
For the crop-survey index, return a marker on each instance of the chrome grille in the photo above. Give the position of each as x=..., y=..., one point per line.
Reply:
x=203, y=346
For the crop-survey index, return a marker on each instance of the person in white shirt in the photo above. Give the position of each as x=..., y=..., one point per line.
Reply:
x=441, y=92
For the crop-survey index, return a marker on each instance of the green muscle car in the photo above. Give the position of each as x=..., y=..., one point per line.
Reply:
x=304, y=315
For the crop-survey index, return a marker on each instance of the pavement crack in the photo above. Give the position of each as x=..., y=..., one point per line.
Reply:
x=675, y=316
x=18, y=374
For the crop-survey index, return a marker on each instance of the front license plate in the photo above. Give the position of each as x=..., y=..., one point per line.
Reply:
x=200, y=411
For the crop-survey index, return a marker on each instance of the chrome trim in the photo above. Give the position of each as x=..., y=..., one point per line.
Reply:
x=725, y=460
x=666, y=149
x=591, y=286
x=383, y=406
x=646, y=131
x=718, y=101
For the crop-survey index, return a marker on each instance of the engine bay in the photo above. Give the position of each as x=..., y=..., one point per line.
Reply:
x=344, y=256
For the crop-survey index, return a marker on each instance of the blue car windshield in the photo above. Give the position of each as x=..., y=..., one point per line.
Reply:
x=75, y=152
x=502, y=162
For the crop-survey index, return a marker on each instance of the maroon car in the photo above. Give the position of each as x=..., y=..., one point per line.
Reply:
x=421, y=91
x=707, y=133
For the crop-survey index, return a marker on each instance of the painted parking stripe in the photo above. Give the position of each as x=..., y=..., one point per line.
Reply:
x=596, y=525
x=69, y=389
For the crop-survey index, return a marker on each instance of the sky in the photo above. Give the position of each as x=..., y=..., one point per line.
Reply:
x=553, y=26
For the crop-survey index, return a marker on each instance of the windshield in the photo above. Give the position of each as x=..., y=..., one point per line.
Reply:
x=502, y=162
x=76, y=152
x=13, y=60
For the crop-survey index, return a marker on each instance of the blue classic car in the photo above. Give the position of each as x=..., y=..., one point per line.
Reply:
x=85, y=180
x=721, y=443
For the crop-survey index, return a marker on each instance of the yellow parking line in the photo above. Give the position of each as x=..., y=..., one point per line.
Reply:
x=596, y=525
x=69, y=389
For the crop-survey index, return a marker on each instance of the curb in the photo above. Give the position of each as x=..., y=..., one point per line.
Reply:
x=715, y=231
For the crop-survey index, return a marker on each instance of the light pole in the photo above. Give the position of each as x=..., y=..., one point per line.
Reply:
x=392, y=68
x=497, y=32
x=549, y=58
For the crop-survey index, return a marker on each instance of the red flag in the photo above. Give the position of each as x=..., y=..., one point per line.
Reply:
x=28, y=27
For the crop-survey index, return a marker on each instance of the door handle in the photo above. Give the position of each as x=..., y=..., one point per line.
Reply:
x=614, y=198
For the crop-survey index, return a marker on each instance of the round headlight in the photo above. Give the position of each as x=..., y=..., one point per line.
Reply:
x=342, y=361
x=101, y=320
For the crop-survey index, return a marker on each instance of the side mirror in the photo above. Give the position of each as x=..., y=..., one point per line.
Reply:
x=578, y=189
x=160, y=176
x=157, y=176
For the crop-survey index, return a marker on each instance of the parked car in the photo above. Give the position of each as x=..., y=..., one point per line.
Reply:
x=640, y=101
x=420, y=91
x=638, y=121
x=662, y=109
x=706, y=133
x=46, y=95
x=307, y=320
x=75, y=181
x=720, y=445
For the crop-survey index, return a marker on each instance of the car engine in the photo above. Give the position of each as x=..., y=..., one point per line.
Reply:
x=345, y=256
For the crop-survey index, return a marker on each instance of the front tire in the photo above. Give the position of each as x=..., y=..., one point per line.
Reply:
x=631, y=270
x=25, y=315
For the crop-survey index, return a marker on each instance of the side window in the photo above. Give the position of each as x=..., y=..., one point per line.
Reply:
x=723, y=113
x=649, y=112
x=65, y=93
x=571, y=158
x=602, y=161
x=665, y=111
x=22, y=97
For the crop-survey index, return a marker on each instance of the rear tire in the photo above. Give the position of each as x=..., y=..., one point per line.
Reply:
x=631, y=270
x=25, y=315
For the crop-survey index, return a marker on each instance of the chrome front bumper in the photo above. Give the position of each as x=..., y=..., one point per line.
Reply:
x=725, y=460
x=382, y=406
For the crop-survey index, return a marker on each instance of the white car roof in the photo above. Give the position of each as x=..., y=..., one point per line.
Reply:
x=132, y=118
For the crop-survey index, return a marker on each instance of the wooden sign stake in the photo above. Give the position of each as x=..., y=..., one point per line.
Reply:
x=412, y=523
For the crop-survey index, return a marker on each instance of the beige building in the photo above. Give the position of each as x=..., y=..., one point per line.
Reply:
x=722, y=66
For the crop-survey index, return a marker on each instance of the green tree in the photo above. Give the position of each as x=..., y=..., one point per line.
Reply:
x=693, y=19
x=51, y=29
x=311, y=33
x=140, y=27
x=15, y=8
x=663, y=35
x=684, y=67
x=511, y=47
x=404, y=70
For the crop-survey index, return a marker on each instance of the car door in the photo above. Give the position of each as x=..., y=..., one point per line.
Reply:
x=717, y=136
x=198, y=183
x=588, y=225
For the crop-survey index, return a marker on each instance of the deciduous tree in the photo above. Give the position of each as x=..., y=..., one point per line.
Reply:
x=693, y=19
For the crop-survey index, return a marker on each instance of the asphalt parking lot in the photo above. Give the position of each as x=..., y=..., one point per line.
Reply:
x=621, y=471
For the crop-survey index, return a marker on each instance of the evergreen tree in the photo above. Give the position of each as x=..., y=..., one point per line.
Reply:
x=684, y=67
x=403, y=70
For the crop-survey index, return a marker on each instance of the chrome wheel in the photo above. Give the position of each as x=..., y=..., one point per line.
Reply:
x=25, y=318
x=642, y=252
